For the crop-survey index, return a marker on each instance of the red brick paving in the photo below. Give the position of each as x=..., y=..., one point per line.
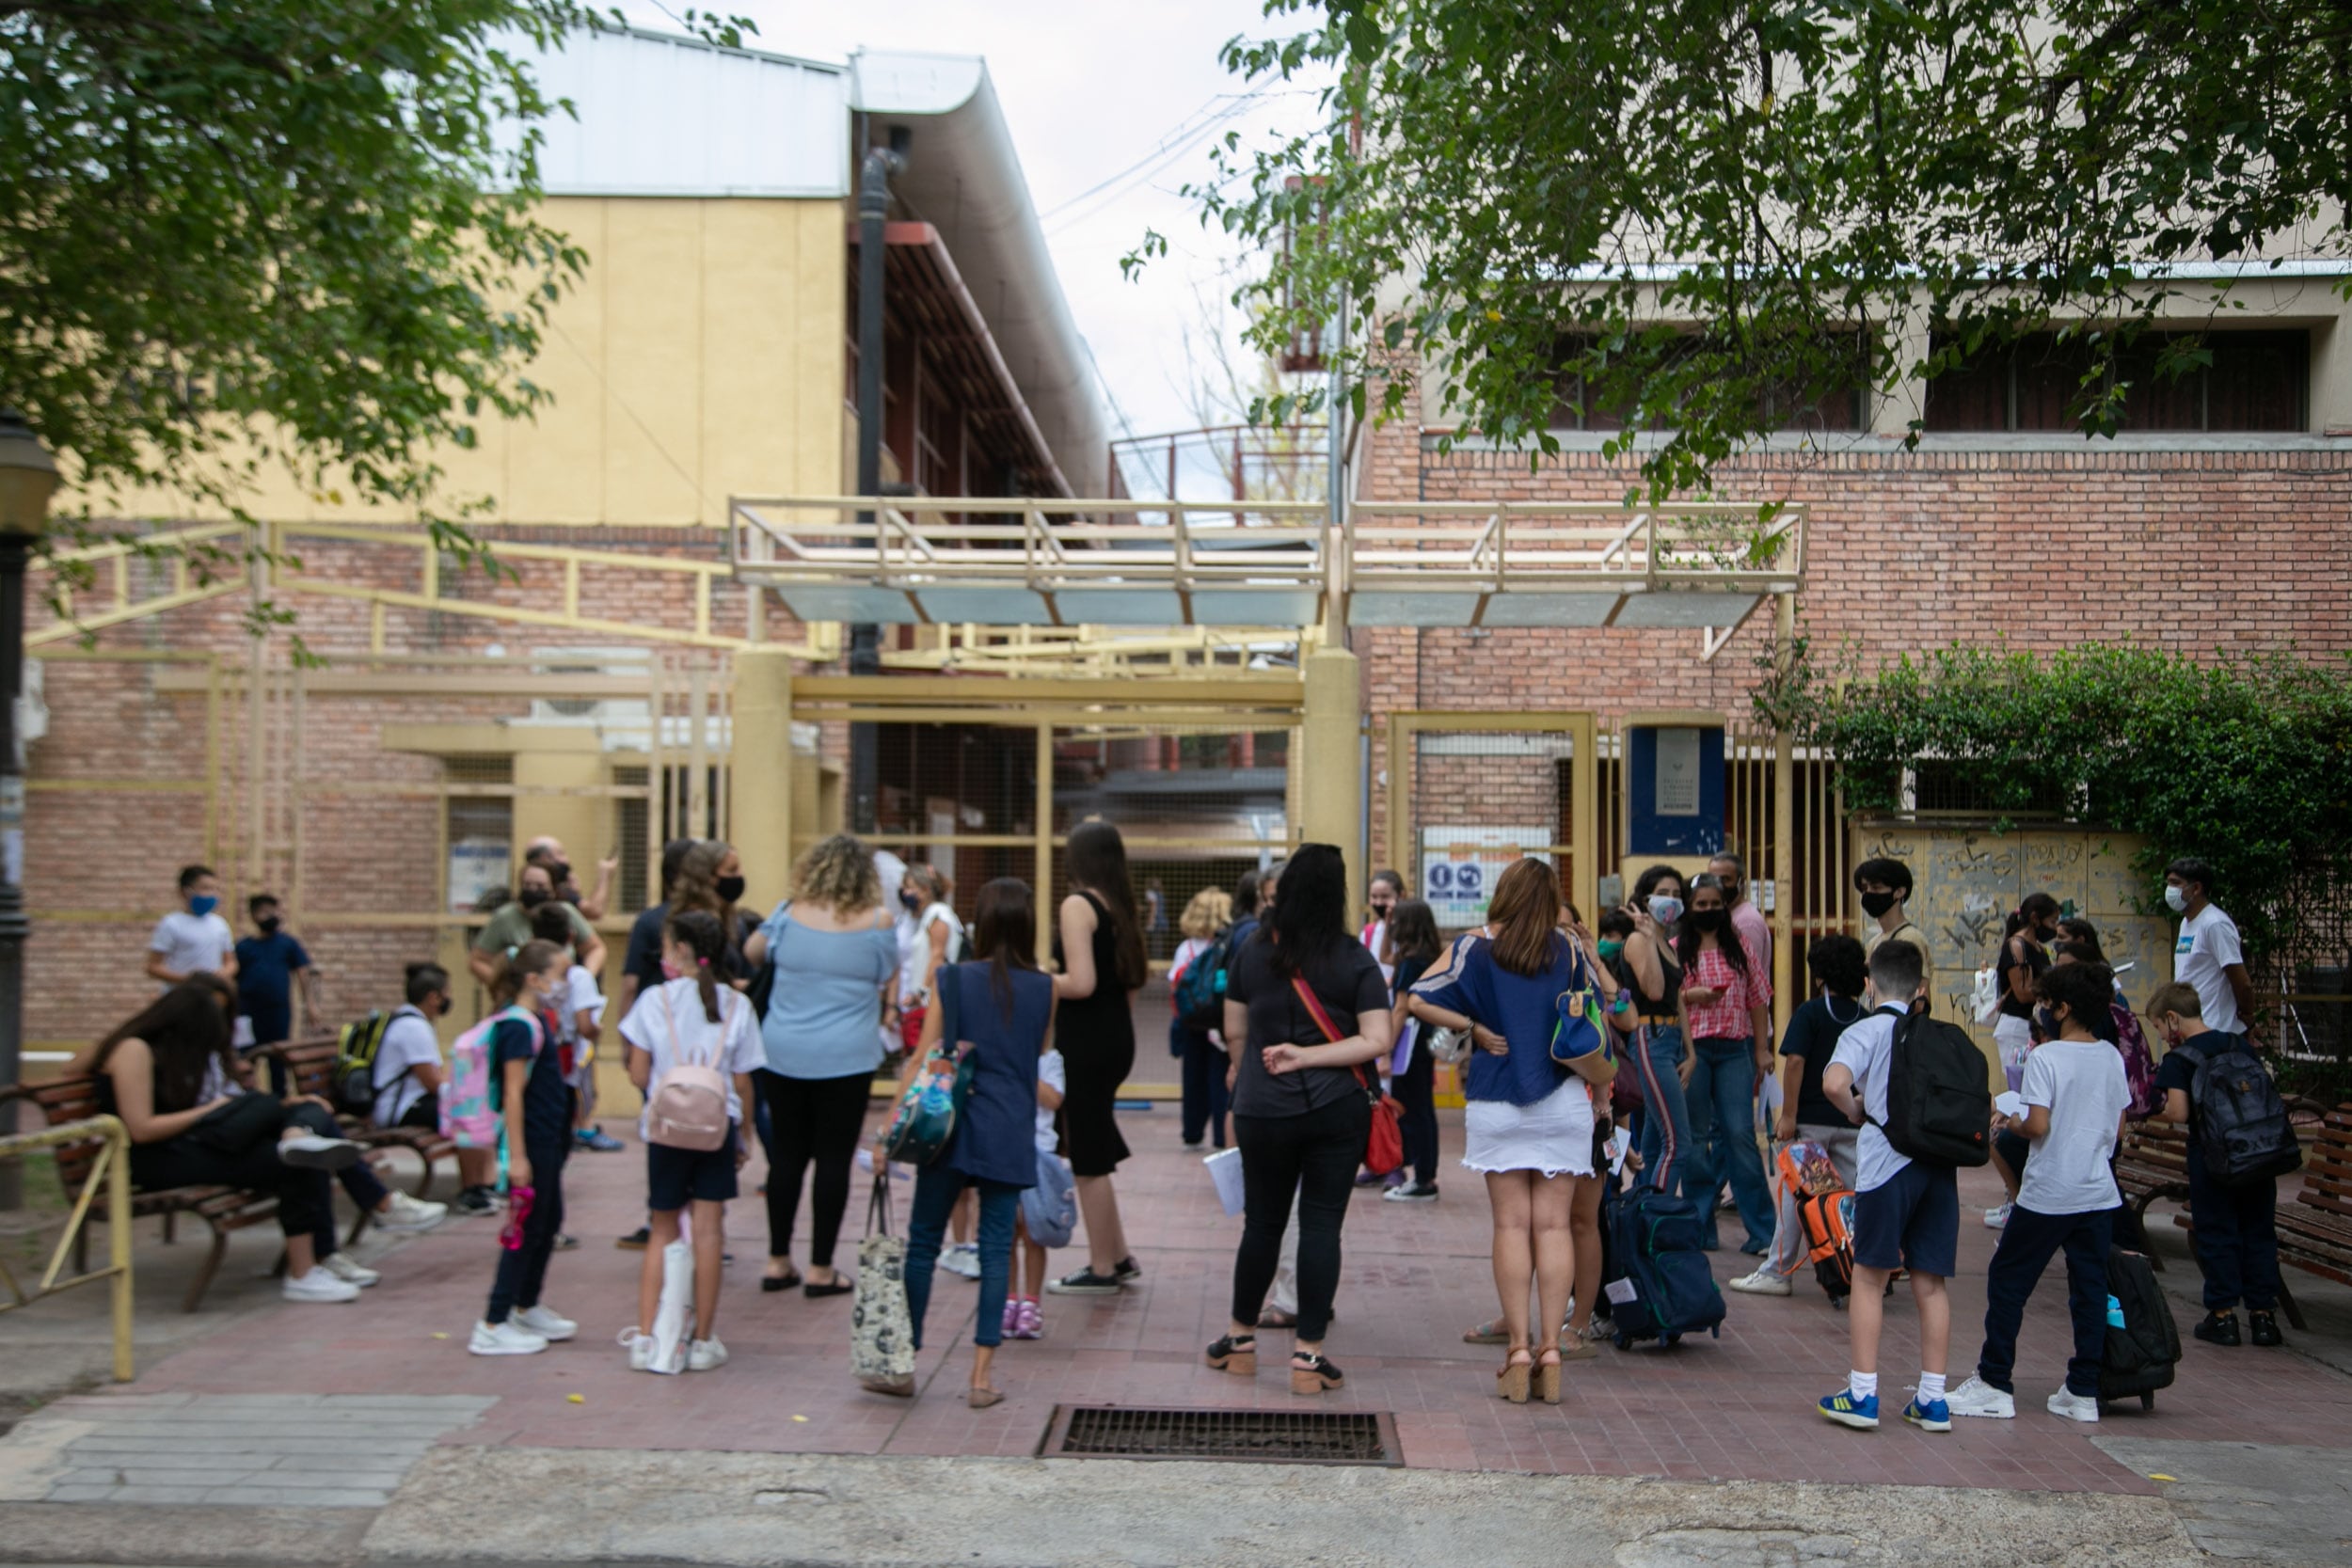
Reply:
x=1415, y=1276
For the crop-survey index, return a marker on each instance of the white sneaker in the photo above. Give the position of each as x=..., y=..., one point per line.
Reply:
x=345, y=1268
x=548, y=1325
x=2074, y=1407
x=640, y=1346
x=1763, y=1282
x=1997, y=1217
x=405, y=1215
x=314, y=1152
x=704, y=1356
x=507, y=1339
x=1976, y=1397
x=318, y=1285
x=961, y=1258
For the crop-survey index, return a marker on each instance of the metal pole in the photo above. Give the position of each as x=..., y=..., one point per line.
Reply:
x=873, y=210
x=14, y=927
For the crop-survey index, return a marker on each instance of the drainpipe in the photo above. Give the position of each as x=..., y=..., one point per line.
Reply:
x=873, y=208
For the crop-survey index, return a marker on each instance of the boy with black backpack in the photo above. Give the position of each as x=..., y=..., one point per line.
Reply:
x=1906, y=1208
x=2075, y=1095
x=2236, y=1110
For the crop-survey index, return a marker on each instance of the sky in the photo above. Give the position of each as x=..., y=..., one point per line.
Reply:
x=1112, y=108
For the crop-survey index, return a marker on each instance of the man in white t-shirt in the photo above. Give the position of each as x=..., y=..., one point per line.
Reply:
x=193, y=938
x=2074, y=1097
x=2207, y=955
x=409, y=1075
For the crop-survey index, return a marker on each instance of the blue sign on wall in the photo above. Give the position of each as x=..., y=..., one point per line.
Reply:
x=1675, y=790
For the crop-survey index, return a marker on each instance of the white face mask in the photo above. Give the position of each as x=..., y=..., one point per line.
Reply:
x=2175, y=900
x=1665, y=908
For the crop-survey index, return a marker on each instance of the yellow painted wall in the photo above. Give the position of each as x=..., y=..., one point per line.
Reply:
x=701, y=354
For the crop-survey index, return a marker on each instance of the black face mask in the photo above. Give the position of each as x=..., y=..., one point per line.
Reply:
x=532, y=898
x=1708, y=920
x=729, y=888
x=1877, y=904
x=560, y=873
x=268, y=924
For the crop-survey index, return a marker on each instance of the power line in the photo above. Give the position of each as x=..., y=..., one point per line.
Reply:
x=1171, y=142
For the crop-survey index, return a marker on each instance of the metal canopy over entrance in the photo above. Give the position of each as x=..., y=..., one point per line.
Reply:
x=1013, y=562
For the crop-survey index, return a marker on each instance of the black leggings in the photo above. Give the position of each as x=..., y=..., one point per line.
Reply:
x=306, y=1201
x=813, y=1120
x=1416, y=1097
x=524, y=1269
x=1312, y=1158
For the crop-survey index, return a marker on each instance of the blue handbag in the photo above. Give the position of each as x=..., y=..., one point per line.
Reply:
x=1580, y=1040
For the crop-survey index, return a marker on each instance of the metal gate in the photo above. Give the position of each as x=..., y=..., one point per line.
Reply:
x=1468, y=793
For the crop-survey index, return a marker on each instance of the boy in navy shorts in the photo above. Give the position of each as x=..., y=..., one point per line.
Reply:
x=1906, y=1215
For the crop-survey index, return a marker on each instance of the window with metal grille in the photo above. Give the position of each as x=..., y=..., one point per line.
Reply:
x=628, y=833
x=2255, y=381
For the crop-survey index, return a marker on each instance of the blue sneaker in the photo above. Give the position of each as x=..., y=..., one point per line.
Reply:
x=1931, y=1416
x=1846, y=1411
x=600, y=1140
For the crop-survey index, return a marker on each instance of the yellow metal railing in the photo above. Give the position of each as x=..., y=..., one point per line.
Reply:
x=111, y=1167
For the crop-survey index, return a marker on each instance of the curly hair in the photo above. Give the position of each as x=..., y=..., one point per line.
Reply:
x=1209, y=912
x=839, y=875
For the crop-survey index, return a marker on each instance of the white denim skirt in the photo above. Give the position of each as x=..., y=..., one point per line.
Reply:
x=1553, y=1136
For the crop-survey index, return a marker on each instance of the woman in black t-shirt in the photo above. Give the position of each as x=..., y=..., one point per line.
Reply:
x=1301, y=1112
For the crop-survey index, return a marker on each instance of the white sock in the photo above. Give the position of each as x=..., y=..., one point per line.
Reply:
x=1931, y=1387
x=1862, y=1386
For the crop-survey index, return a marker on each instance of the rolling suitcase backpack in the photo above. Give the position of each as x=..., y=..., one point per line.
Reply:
x=2139, y=1355
x=1664, y=1289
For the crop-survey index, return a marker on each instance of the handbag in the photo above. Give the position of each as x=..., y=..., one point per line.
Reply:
x=1384, y=1143
x=925, y=1123
x=882, y=1331
x=1580, y=1040
x=231, y=1130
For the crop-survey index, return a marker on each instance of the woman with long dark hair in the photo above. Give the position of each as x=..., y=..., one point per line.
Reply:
x=1305, y=1009
x=1413, y=939
x=1098, y=943
x=1004, y=1008
x=1660, y=1059
x=1727, y=1002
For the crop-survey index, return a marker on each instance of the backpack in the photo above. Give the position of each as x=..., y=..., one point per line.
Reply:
x=1201, y=990
x=2242, y=1126
x=1938, y=1110
x=2138, y=1356
x=688, y=1108
x=352, y=1084
x=1051, y=1208
x=1664, y=1289
x=2139, y=1063
x=1828, y=1220
x=469, y=1099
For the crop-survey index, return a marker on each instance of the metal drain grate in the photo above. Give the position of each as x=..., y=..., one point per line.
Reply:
x=1266, y=1436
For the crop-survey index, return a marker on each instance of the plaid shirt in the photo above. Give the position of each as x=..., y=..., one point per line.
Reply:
x=1726, y=1016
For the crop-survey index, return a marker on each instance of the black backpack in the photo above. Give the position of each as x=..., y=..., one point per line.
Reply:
x=354, y=1079
x=1938, y=1110
x=2242, y=1126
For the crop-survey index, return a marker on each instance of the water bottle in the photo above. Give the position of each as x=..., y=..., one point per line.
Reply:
x=2115, y=1313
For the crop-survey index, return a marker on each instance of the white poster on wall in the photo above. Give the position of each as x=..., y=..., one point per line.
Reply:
x=476, y=866
x=1678, y=773
x=1460, y=865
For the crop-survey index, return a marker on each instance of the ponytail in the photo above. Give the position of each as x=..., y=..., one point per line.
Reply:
x=2035, y=906
x=532, y=957
x=699, y=931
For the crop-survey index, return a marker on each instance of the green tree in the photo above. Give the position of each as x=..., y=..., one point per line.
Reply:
x=236, y=233
x=1699, y=214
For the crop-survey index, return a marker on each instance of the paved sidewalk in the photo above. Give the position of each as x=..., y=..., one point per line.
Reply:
x=1736, y=1408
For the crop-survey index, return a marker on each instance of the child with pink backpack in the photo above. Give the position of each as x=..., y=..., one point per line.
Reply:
x=692, y=1046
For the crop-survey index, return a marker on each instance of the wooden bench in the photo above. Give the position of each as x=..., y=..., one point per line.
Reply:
x=2151, y=1162
x=310, y=1068
x=223, y=1209
x=2316, y=1231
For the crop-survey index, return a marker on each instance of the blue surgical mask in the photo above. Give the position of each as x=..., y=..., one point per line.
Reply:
x=204, y=904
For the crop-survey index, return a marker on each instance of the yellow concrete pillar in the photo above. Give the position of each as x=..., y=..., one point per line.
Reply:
x=1330, y=760
x=765, y=777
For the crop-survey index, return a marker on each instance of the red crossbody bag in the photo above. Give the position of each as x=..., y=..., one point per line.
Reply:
x=1384, y=1145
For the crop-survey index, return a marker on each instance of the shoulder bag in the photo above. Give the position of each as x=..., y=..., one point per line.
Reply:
x=1384, y=1145
x=882, y=1329
x=1580, y=1040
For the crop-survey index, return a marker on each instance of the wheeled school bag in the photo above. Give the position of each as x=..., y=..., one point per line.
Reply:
x=470, y=1102
x=2242, y=1127
x=2140, y=1356
x=353, y=1085
x=1664, y=1289
x=1828, y=1221
x=1938, y=1110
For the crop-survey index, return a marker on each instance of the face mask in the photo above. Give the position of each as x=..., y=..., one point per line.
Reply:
x=1709, y=920
x=560, y=873
x=1665, y=908
x=204, y=904
x=1877, y=904
x=670, y=971
x=2046, y=1020
x=913, y=901
x=729, y=888
x=2175, y=900
x=532, y=898
x=1610, y=949
x=268, y=924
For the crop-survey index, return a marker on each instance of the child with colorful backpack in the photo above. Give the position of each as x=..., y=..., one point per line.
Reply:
x=508, y=1092
x=1054, y=1199
x=694, y=1044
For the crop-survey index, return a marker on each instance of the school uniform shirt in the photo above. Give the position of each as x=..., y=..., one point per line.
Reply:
x=668, y=1023
x=1814, y=1030
x=1904, y=932
x=1866, y=1050
x=409, y=1042
x=2207, y=946
x=190, y=942
x=547, y=1099
x=2082, y=1082
x=1050, y=1074
x=265, y=972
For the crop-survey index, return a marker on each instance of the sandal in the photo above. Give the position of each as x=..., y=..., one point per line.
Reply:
x=1313, y=1374
x=836, y=1286
x=1237, y=1353
x=1491, y=1332
x=1511, y=1381
x=1548, y=1377
x=980, y=1399
x=774, y=1282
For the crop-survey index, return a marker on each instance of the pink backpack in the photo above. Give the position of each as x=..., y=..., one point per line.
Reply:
x=688, y=1108
x=2139, y=1063
x=470, y=1112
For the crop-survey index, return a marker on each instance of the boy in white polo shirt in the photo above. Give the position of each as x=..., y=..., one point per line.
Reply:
x=2075, y=1095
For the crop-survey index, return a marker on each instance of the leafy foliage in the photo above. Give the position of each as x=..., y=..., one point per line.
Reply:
x=1704, y=216
x=2248, y=764
x=302, y=232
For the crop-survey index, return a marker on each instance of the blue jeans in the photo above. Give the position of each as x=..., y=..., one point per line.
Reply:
x=937, y=1189
x=1721, y=1099
x=2028, y=1242
x=1667, y=1146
